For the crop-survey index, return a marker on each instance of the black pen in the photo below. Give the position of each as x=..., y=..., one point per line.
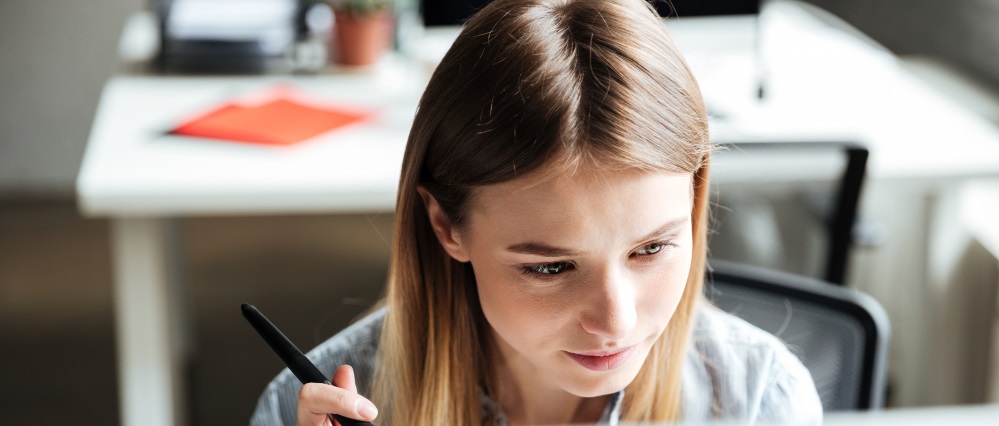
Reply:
x=292, y=357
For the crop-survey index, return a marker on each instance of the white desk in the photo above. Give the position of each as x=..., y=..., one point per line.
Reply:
x=968, y=415
x=142, y=179
x=964, y=415
x=824, y=84
x=824, y=79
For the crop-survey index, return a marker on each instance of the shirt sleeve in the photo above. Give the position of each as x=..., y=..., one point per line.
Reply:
x=738, y=372
x=789, y=397
x=278, y=404
x=356, y=346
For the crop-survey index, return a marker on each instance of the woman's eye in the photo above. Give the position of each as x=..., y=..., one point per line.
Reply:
x=652, y=248
x=548, y=268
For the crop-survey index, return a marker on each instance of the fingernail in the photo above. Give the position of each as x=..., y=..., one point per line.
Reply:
x=367, y=409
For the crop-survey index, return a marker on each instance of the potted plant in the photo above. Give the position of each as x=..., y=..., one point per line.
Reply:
x=362, y=30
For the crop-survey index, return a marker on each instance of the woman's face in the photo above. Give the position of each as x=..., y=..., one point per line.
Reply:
x=578, y=276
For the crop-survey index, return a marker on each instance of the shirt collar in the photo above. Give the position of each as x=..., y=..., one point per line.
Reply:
x=610, y=417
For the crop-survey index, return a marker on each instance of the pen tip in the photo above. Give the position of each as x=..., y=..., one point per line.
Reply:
x=245, y=307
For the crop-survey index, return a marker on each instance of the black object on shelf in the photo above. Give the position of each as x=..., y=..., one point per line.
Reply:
x=455, y=12
x=203, y=36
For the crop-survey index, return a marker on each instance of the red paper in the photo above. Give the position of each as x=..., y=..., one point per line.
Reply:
x=280, y=121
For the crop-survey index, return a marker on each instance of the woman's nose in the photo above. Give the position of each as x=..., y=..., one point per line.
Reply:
x=610, y=308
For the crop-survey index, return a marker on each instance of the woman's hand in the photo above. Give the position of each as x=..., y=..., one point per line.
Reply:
x=315, y=400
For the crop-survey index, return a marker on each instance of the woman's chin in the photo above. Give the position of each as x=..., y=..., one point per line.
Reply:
x=588, y=384
x=605, y=387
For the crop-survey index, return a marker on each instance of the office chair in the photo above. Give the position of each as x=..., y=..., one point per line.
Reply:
x=840, y=334
x=789, y=206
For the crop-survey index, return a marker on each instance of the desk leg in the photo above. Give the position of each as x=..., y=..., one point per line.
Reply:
x=149, y=319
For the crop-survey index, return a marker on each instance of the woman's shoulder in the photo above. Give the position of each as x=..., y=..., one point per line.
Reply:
x=715, y=330
x=355, y=345
x=736, y=370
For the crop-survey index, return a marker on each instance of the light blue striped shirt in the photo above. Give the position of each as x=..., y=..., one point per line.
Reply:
x=733, y=372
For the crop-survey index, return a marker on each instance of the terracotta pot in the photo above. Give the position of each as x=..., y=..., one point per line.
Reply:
x=361, y=39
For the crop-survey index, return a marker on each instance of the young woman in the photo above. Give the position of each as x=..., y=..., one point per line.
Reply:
x=549, y=248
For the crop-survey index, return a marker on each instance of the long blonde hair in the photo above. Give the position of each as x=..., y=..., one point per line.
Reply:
x=543, y=87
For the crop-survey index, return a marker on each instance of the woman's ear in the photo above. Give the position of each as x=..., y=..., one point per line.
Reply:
x=446, y=233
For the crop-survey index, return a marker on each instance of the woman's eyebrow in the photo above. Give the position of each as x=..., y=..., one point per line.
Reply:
x=668, y=226
x=545, y=250
x=539, y=249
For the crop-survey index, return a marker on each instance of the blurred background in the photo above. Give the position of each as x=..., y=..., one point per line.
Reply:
x=75, y=78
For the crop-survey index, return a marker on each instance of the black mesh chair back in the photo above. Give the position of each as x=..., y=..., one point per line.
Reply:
x=840, y=334
x=788, y=206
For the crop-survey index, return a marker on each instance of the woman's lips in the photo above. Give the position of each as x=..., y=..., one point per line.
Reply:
x=597, y=362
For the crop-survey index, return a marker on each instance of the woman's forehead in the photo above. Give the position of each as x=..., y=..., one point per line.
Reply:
x=583, y=200
x=579, y=182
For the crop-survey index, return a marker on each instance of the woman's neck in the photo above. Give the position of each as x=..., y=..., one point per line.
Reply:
x=534, y=407
x=526, y=400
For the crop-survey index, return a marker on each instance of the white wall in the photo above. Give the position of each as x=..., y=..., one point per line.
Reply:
x=56, y=54
x=963, y=33
x=54, y=57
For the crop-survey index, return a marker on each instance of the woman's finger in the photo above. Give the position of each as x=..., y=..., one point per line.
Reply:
x=305, y=417
x=315, y=400
x=343, y=378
